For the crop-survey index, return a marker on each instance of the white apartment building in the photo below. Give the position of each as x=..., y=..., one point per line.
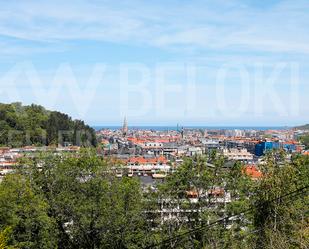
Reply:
x=237, y=154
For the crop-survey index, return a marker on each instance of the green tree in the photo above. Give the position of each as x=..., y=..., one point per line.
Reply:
x=28, y=125
x=92, y=208
x=26, y=213
x=4, y=238
x=304, y=139
x=280, y=221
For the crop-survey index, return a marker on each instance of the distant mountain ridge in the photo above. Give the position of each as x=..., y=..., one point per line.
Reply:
x=34, y=125
x=302, y=127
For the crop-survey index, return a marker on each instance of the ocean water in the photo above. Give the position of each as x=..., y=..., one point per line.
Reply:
x=174, y=128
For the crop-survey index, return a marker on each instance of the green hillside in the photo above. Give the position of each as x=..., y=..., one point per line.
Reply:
x=303, y=127
x=34, y=125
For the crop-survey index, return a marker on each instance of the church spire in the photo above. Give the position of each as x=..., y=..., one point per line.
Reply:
x=125, y=127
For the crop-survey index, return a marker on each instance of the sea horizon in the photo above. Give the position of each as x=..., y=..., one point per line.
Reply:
x=193, y=127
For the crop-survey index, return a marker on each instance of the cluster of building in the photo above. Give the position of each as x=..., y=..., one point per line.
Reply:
x=152, y=154
x=158, y=152
x=8, y=159
x=9, y=156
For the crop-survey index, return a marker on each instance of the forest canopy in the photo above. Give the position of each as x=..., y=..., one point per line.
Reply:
x=34, y=125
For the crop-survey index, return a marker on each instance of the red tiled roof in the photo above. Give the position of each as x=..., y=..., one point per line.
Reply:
x=252, y=172
x=291, y=142
x=216, y=191
x=192, y=194
x=8, y=163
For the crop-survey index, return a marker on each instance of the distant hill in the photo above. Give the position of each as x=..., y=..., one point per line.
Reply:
x=34, y=125
x=303, y=127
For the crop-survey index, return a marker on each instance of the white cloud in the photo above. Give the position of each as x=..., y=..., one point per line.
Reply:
x=195, y=24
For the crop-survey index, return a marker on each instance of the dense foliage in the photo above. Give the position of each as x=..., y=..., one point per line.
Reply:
x=71, y=202
x=304, y=139
x=76, y=201
x=256, y=217
x=34, y=125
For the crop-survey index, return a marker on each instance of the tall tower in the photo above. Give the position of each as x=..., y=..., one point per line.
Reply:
x=125, y=127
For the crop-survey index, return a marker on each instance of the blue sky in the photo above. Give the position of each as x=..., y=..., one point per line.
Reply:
x=237, y=62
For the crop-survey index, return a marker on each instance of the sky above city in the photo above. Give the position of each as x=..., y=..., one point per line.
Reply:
x=236, y=62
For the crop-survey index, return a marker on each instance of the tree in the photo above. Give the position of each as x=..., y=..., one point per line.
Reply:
x=280, y=222
x=76, y=201
x=304, y=139
x=4, y=238
x=91, y=207
x=26, y=214
x=28, y=125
